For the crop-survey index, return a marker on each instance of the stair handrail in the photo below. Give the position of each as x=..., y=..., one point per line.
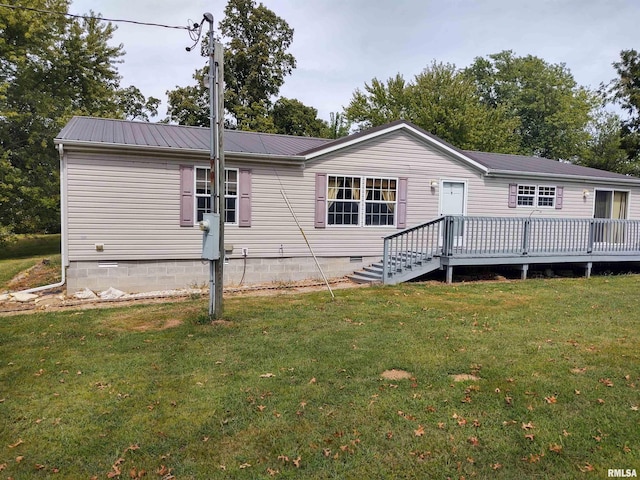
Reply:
x=401, y=248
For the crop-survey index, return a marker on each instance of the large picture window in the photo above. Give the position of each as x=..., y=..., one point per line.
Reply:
x=203, y=194
x=345, y=200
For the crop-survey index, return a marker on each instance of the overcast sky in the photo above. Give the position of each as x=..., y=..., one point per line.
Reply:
x=341, y=44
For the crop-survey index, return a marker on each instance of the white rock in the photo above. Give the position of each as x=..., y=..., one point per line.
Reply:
x=4, y=297
x=85, y=294
x=111, y=294
x=24, y=297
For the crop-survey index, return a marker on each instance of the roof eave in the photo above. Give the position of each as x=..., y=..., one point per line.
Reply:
x=193, y=152
x=571, y=178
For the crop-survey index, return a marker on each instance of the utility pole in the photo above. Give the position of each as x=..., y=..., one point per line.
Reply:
x=216, y=163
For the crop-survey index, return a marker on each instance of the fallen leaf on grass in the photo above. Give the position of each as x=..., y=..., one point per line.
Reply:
x=528, y=426
x=473, y=441
x=533, y=458
x=14, y=445
x=496, y=466
x=39, y=466
x=419, y=432
x=296, y=462
x=606, y=382
x=551, y=399
x=245, y=465
x=3, y=466
x=601, y=401
x=267, y=375
x=587, y=468
x=555, y=448
x=530, y=436
x=272, y=472
x=313, y=381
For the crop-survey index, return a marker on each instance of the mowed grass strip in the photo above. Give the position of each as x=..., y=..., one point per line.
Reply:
x=291, y=386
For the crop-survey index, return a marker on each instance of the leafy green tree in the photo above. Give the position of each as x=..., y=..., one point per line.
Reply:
x=626, y=92
x=440, y=100
x=51, y=68
x=604, y=148
x=339, y=125
x=256, y=58
x=135, y=106
x=190, y=105
x=292, y=117
x=380, y=103
x=552, y=110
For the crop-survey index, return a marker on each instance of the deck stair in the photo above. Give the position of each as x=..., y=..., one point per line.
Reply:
x=408, y=265
x=369, y=274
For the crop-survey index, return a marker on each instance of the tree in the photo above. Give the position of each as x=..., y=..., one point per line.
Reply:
x=135, y=106
x=552, y=110
x=256, y=61
x=51, y=68
x=380, y=103
x=626, y=92
x=604, y=148
x=292, y=117
x=339, y=125
x=190, y=105
x=256, y=58
x=442, y=101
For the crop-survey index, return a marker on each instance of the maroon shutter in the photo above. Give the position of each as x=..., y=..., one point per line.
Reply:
x=186, y=196
x=321, y=200
x=513, y=195
x=244, y=198
x=559, y=197
x=401, y=220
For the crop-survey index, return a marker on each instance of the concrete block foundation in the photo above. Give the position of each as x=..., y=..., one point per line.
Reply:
x=135, y=276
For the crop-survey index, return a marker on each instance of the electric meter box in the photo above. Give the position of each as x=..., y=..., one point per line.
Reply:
x=210, y=226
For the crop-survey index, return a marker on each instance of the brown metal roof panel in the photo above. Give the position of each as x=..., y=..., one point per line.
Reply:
x=524, y=164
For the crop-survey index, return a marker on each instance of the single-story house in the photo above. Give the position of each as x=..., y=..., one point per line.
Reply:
x=132, y=194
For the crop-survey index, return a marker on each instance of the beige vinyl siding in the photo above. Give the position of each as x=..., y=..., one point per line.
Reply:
x=130, y=205
x=491, y=199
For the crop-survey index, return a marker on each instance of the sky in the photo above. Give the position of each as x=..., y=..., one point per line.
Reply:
x=340, y=45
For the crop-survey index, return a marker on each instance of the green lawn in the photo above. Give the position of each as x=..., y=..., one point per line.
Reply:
x=290, y=387
x=25, y=252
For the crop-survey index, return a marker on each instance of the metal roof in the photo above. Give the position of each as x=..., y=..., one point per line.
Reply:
x=101, y=131
x=500, y=162
x=143, y=134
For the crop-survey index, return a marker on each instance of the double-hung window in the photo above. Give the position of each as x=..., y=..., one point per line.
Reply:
x=361, y=201
x=203, y=194
x=536, y=196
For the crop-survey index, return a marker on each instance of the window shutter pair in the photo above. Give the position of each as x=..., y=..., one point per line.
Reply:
x=320, y=220
x=513, y=196
x=187, y=197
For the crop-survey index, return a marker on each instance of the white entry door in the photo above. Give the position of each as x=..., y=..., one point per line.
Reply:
x=452, y=202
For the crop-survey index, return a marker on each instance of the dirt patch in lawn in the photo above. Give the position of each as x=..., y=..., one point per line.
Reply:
x=42, y=273
x=395, y=374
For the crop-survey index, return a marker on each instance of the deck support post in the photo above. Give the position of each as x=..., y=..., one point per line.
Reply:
x=523, y=271
x=449, y=274
x=587, y=269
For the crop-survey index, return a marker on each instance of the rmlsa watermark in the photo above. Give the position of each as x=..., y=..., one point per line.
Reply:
x=622, y=473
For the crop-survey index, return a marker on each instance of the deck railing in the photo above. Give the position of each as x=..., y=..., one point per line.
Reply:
x=412, y=247
x=464, y=236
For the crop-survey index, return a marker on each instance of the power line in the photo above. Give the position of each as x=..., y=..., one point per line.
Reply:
x=89, y=17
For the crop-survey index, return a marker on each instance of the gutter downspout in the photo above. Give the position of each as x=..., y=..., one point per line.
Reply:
x=63, y=228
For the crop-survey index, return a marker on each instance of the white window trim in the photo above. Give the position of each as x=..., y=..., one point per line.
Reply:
x=537, y=195
x=196, y=195
x=362, y=203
